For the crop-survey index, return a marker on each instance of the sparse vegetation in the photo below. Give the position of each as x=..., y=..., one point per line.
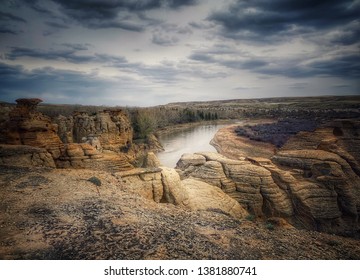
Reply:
x=95, y=180
x=276, y=133
x=269, y=226
x=144, y=123
x=250, y=218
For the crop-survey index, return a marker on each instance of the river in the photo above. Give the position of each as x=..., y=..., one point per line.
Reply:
x=189, y=140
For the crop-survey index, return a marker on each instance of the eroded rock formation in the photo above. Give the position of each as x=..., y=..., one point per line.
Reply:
x=312, y=181
x=26, y=126
x=21, y=155
x=31, y=139
x=111, y=128
x=165, y=185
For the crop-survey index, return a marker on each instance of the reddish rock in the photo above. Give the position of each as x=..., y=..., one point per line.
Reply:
x=26, y=126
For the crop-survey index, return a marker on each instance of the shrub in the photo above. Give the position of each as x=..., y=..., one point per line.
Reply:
x=269, y=226
x=250, y=218
x=95, y=180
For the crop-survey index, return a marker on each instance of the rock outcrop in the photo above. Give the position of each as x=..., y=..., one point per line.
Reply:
x=26, y=126
x=25, y=156
x=111, y=129
x=165, y=185
x=251, y=185
x=312, y=181
x=32, y=139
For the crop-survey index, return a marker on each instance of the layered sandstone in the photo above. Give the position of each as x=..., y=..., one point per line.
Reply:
x=25, y=156
x=162, y=184
x=26, y=126
x=32, y=139
x=312, y=181
x=110, y=128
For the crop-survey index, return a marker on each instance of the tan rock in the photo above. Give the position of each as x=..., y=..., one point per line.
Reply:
x=26, y=126
x=190, y=159
x=173, y=191
x=151, y=160
x=23, y=155
x=109, y=130
x=202, y=196
x=74, y=150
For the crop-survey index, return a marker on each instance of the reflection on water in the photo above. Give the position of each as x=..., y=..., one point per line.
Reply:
x=190, y=140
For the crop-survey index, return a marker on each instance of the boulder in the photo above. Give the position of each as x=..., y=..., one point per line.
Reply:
x=203, y=196
x=187, y=160
x=173, y=190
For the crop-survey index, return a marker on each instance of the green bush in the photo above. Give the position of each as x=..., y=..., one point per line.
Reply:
x=269, y=226
x=250, y=218
x=95, y=180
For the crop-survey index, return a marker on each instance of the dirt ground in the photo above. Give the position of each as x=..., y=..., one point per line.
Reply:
x=83, y=214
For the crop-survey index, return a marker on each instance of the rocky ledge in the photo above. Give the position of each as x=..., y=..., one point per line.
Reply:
x=312, y=181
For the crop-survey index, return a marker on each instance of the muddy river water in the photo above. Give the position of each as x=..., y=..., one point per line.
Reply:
x=188, y=140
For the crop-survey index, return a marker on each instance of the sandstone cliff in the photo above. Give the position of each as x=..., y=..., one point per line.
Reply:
x=38, y=144
x=312, y=181
x=26, y=126
x=110, y=128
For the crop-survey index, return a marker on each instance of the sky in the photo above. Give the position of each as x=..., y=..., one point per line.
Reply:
x=153, y=52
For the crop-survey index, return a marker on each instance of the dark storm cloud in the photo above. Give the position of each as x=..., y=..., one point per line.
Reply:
x=57, y=25
x=202, y=57
x=348, y=36
x=343, y=65
x=168, y=34
x=66, y=86
x=9, y=30
x=263, y=19
x=200, y=25
x=10, y=17
x=9, y=23
x=347, y=66
x=124, y=14
x=69, y=54
x=35, y=5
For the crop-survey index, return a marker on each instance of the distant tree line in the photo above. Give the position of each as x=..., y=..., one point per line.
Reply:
x=146, y=120
x=189, y=115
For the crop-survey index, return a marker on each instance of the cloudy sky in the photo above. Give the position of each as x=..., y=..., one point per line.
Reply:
x=151, y=52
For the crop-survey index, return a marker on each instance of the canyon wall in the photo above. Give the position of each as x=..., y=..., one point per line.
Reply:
x=30, y=138
x=109, y=129
x=312, y=181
